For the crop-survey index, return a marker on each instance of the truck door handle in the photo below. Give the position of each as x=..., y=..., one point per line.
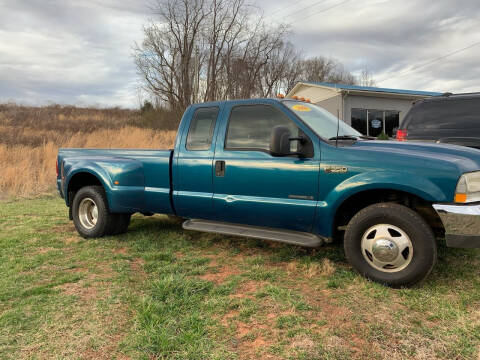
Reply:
x=220, y=168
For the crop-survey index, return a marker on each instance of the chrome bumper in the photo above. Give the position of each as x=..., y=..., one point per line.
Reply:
x=462, y=224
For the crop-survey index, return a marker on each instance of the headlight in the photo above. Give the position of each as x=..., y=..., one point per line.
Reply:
x=468, y=188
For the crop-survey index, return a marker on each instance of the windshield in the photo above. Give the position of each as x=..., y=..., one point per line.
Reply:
x=320, y=120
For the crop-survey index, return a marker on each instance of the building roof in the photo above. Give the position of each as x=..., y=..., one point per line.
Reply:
x=373, y=89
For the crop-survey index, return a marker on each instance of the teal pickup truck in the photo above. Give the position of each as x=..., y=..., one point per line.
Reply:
x=288, y=171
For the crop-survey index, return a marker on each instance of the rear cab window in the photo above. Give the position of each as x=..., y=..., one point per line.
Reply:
x=202, y=126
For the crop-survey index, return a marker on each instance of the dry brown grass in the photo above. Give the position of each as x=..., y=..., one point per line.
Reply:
x=34, y=126
x=28, y=148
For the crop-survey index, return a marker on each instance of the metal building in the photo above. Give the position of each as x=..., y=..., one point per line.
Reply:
x=370, y=110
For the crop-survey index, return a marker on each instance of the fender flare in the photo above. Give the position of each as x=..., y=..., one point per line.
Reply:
x=374, y=180
x=388, y=180
x=93, y=169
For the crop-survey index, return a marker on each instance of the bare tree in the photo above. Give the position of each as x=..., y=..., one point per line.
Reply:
x=225, y=26
x=366, y=78
x=262, y=50
x=276, y=72
x=221, y=49
x=165, y=57
x=321, y=69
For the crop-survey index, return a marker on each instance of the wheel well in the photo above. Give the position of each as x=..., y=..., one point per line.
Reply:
x=81, y=180
x=352, y=205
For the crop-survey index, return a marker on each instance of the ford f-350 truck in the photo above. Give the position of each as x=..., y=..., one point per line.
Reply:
x=288, y=171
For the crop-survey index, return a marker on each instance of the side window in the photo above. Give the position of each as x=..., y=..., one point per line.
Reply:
x=200, y=133
x=250, y=127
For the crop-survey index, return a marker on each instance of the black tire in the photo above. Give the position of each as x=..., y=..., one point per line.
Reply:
x=422, y=241
x=104, y=219
x=120, y=224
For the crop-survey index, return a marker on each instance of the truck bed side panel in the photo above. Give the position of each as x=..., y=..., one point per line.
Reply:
x=134, y=180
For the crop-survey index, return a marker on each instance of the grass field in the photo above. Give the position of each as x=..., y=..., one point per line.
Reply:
x=158, y=292
x=30, y=138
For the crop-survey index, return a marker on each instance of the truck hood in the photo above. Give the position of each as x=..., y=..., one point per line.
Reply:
x=464, y=158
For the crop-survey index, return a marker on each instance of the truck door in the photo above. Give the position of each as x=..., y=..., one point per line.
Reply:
x=193, y=173
x=253, y=187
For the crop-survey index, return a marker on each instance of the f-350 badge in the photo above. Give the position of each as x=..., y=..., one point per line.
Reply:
x=336, y=169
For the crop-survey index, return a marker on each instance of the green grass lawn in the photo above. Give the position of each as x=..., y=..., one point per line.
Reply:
x=159, y=292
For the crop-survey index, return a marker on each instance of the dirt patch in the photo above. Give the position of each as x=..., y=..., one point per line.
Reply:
x=43, y=250
x=250, y=343
x=137, y=267
x=228, y=317
x=219, y=272
x=248, y=289
x=78, y=270
x=326, y=318
x=103, y=330
x=105, y=352
x=223, y=273
x=337, y=318
x=251, y=339
x=81, y=290
x=88, y=287
x=251, y=286
x=121, y=251
x=72, y=240
x=303, y=342
x=242, y=329
x=95, y=335
x=63, y=228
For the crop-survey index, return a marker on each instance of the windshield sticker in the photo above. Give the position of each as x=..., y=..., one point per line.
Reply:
x=301, y=108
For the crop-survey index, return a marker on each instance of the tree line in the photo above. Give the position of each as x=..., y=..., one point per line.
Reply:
x=206, y=50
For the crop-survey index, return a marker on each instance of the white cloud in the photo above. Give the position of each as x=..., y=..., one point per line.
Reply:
x=80, y=52
x=69, y=52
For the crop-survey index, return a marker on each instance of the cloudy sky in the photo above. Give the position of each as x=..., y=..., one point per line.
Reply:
x=80, y=52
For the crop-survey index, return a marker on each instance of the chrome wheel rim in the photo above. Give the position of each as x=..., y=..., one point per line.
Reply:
x=88, y=213
x=387, y=248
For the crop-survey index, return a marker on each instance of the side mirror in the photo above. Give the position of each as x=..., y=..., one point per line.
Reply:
x=280, y=141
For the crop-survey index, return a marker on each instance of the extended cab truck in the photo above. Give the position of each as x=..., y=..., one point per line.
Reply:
x=287, y=171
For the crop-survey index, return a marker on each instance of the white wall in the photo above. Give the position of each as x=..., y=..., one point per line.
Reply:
x=332, y=105
x=315, y=93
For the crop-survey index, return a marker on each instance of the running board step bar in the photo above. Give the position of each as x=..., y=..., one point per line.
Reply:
x=284, y=236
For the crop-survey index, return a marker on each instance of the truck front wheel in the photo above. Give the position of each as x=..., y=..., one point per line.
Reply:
x=90, y=212
x=390, y=244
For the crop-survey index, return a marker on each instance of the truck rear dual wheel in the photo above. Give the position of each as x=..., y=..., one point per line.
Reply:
x=91, y=216
x=390, y=244
x=120, y=223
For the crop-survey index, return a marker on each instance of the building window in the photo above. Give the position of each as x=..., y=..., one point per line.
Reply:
x=392, y=122
x=359, y=120
x=373, y=122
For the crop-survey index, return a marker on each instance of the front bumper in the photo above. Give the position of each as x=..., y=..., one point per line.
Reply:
x=462, y=224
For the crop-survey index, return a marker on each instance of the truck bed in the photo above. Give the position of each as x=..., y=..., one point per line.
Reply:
x=134, y=179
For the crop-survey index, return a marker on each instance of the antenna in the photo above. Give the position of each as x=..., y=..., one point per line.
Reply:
x=338, y=126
